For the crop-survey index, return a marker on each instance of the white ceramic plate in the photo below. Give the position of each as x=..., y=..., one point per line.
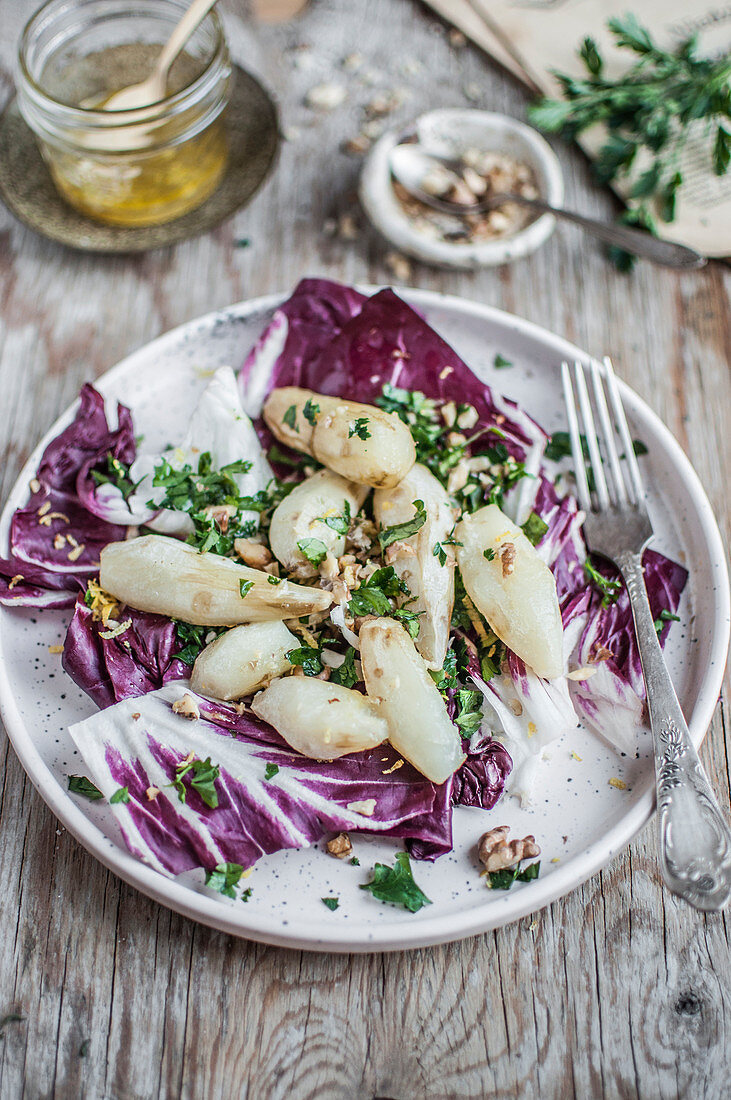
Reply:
x=580, y=820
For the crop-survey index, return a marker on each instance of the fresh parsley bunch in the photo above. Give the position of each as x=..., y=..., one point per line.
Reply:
x=651, y=108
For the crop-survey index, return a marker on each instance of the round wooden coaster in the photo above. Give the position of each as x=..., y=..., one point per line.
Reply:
x=27, y=189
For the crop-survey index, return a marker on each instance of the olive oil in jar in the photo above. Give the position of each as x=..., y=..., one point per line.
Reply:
x=141, y=167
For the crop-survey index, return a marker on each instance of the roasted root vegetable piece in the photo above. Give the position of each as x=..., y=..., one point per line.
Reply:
x=319, y=719
x=317, y=508
x=243, y=660
x=397, y=678
x=168, y=577
x=413, y=557
x=513, y=588
x=361, y=442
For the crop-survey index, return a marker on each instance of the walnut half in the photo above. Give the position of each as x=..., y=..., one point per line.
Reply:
x=340, y=846
x=497, y=853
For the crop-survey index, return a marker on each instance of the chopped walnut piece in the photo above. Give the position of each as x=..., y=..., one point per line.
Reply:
x=187, y=707
x=152, y=793
x=339, y=846
x=398, y=549
x=507, y=558
x=601, y=653
x=253, y=553
x=497, y=853
x=15, y=580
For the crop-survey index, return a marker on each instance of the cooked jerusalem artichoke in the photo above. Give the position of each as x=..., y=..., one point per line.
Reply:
x=512, y=587
x=243, y=660
x=361, y=442
x=414, y=560
x=397, y=678
x=304, y=514
x=320, y=719
x=167, y=577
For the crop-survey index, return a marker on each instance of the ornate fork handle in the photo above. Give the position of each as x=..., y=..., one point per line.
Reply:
x=695, y=839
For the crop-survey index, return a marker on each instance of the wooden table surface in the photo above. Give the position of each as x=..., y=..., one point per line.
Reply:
x=617, y=990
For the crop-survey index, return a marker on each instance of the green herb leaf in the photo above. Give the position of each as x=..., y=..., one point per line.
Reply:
x=308, y=658
x=246, y=894
x=503, y=880
x=489, y=554
x=194, y=639
x=202, y=778
x=440, y=553
x=446, y=677
x=313, y=549
x=331, y=903
x=224, y=877
x=500, y=362
x=345, y=674
x=290, y=418
x=469, y=711
x=270, y=771
x=396, y=885
x=311, y=411
x=534, y=528
x=609, y=588
x=374, y=595
x=354, y=861
x=339, y=523
x=245, y=587
x=79, y=784
x=665, y=616
x=399, y=531
x=409, y=619
x=360, y=428
x=274, y=580
x=121, y=795
x=590, y=56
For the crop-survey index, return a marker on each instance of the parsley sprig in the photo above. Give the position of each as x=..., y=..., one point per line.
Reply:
x=202, y=776
x=649, y=111
x=396, y=884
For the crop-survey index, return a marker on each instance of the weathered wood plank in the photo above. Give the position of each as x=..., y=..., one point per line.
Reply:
x=617, y=989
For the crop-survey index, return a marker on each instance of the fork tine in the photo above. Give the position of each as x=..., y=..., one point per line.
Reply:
x=610, y=446
x=582, y=485
x=621, y=419
x=600, y=482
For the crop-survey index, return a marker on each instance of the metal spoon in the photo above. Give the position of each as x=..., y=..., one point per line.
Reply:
x=154, y=86
x=410, y=163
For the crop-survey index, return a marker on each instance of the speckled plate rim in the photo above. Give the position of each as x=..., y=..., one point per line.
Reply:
x=428, y=931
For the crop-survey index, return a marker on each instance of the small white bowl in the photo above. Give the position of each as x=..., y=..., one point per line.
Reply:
x=451, y=133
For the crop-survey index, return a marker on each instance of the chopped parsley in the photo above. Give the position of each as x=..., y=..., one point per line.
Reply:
x=274, y=580
x=115, y=473
x=345, y=674
x=245, y=587
x=194, y=639
x=276, y=454
x=396, y=885
x=408, y=619
x=121, y=795
x=489, y=554
x=469, y=711
x=310, y=411
x=503, y=880
x=354, y=861
x=270, y=771
x=665, y=616
x=534, y=528
x=359, y=427
x=80, y=784
x=341, y=522
x=439, y=552
x=404, y=530
x=374, y=595
x=202, y=776
x=446, y=677
x=290, y=418
x=499, y=362
x=308, y=657
x=313, y=549
x=246, y=894
x=331, y=903
x=224, y=877
x=609, y=588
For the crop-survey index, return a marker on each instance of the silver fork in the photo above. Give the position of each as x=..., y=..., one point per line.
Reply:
x=695, y=839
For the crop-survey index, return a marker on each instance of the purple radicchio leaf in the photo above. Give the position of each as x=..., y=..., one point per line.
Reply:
x=138, y=744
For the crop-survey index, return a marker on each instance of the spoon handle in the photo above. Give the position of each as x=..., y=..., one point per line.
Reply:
x=634, y=240
x=195, y=14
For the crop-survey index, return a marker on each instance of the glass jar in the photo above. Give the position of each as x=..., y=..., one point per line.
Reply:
x=133, y=167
